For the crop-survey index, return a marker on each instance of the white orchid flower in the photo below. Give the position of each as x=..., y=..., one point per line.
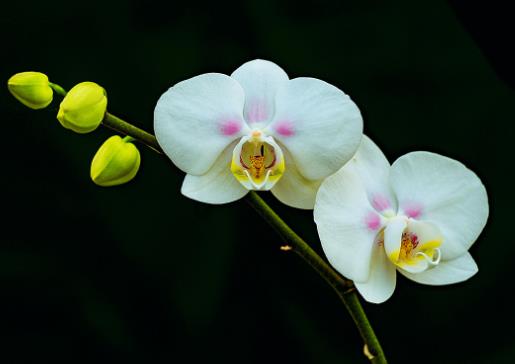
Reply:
x=256, y=130
x=418, y=217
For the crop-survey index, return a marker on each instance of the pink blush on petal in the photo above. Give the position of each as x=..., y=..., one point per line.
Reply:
x=412, y=210
x=373, y=221
x=256, y=112
x=380, y=203
x=230, y=127
x=284, y=128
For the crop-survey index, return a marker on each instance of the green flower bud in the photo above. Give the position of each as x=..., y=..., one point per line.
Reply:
x=83, y=108
x=116, y=162
x=32, y=89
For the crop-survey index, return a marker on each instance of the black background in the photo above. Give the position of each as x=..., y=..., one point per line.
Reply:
x=139, y=273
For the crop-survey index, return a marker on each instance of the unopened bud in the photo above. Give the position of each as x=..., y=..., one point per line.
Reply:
x=32, y=89
x=83, y=108
x=116, y=162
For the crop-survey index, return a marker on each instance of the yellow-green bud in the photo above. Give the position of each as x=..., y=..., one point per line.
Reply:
x=32, y=89
x=116, y=162
x=83, y=107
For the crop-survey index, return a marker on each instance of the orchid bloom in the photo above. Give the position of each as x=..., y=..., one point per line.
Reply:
x=418, y=217
x=256, y=130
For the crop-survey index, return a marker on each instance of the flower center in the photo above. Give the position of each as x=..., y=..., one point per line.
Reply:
x=257, y=157
x=409, y=241
x=258, y=162
x=418, y=248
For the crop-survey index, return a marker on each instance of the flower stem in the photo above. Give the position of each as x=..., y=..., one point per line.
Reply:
x=57, y=89
x=344, y=288
x=121, y=126
x=128, y=139
x=298, y=245
x=372, y=349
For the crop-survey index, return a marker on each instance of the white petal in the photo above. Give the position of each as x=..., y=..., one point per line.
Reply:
x=381, y=283
x=428, y=234
x=447, y=272
x=393, y=236
x=369, y=162
x=374, y=169
x=196, y=119
x=293, y=189
x=342, y=214
x=260, y=80
x=442, y=191
x=319, y=125
x=218, y=185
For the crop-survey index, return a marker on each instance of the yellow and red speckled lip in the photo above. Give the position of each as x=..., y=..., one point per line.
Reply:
x=418, y=247
x=258, y=161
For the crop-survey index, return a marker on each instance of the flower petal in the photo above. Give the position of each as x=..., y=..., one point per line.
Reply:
x=260, y=80
x=428, y=235
x=393, y=237
x=346, y=211
x=345, y=225
x=218, y=185
x=445, y=192
x=382, y=280
x=374, y=169
x=447, y=272
x=319, y=125
x=196, y=119
x=293, y=189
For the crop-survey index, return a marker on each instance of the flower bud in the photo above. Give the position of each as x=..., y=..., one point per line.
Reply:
x=116, y=162
x=32, y=89
x=83, y=107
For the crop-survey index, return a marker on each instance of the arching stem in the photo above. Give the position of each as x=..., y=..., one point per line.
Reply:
x=344, y=288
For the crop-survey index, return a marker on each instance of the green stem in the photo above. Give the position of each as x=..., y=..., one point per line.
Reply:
x=128, y=139
x=58, y=89
x=344, y=288
x=121, y=126
x=372, y=349
x=298, y=245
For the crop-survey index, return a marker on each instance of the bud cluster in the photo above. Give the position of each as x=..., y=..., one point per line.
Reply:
x=82, y=111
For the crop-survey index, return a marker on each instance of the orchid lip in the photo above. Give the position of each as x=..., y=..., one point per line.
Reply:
x=258, y=161
x=417, y=249
x=432, y=261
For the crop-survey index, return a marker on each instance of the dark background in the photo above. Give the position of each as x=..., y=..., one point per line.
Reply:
x=140, y=274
